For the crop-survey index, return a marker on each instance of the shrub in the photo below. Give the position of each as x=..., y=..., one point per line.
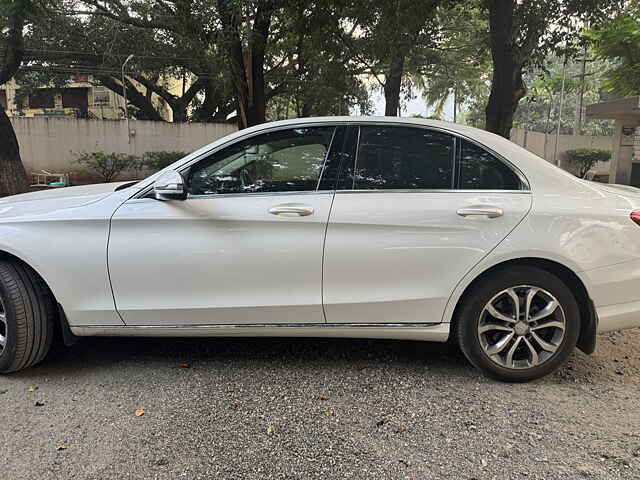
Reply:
x=586, y=158
x=155, y=161
x=107, y=166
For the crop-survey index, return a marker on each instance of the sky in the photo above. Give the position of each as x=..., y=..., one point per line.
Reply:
x=413, y=107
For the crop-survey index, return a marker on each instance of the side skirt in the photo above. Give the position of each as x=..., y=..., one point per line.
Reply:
x=432, y=332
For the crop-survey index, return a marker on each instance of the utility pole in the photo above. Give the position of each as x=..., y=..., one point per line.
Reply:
x=455, y=105
x=555, y=149
x=124, y=95
x=577, y=129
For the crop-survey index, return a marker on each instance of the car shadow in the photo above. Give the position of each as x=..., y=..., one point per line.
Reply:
x=91, y=355
x=96, y=353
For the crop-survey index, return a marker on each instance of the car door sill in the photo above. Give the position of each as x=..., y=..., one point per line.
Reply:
x=437, y=332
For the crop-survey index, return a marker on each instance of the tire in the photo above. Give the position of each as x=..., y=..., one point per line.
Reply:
x=486, y=330
x=29, y=314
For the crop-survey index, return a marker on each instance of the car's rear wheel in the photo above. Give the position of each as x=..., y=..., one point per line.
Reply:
x=518, y=324
x=27, y=314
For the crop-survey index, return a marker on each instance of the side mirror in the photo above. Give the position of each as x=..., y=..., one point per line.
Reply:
x=170, y=186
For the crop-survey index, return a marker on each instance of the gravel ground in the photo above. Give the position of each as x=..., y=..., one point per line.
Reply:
x=278, y=408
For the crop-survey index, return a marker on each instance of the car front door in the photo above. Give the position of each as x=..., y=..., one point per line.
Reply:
x=245, y=247
x=415, y=210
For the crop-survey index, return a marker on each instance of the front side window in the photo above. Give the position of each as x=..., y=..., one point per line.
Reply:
x=480, y=170
x=280, y=161
x=392, y=157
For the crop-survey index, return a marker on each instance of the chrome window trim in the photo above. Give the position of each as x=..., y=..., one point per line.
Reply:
x=260, y=194
x=434, y=190
x=250, y=194
x=144, y=191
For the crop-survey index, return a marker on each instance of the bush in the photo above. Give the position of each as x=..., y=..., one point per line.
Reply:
x=107, y=166
x=155, y=161
x=586, y=158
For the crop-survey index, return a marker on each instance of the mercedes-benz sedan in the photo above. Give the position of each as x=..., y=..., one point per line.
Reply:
x=332, y=227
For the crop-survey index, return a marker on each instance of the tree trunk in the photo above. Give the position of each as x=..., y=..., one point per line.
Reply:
x=13, y=178
x=247, y=70
x=216, y=105
x=392, y=84
x=507, y=87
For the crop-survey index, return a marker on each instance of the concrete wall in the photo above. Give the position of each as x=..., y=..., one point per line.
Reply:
x=50, y=143
x=535, y=143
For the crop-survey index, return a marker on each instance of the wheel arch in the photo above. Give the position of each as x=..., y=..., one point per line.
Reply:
x=62, y=321
x=588, y=316
x=7, y=255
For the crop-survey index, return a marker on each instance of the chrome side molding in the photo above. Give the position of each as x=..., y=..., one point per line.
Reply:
x=435, y=332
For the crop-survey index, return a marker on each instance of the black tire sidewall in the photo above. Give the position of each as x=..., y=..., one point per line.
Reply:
x=7, y=356
x=475, y=300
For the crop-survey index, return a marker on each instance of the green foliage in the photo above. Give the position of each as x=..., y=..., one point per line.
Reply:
x=386, y=38
x=539, y=109
x=107, y=166
x=619, y=40
x=585, y=158
x=318, y=77
x=155, y=161
x=460, y=62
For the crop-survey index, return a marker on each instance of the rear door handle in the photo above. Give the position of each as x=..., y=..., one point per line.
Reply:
x=480, y=211
x=291, y=210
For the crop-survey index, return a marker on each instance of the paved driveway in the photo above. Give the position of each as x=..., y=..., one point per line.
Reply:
x=273, y=408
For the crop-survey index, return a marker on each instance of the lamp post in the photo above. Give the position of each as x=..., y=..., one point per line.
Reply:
x=555, y=149
x=124, y=95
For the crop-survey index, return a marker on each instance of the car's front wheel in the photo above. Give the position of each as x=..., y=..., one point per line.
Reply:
x=518, y=324
x=27, y=313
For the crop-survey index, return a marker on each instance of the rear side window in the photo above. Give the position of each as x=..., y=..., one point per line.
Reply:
x=403, y=158
x=480, y=170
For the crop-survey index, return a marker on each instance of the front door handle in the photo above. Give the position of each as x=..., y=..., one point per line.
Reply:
x=291, y=210
x=480, y=211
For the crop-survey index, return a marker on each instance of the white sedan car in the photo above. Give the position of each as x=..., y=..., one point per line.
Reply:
x=331, y=227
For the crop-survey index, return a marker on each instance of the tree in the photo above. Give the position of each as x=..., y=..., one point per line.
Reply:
x=584, y=159
x=246, y=27
x=459, y=62
x=521, y=35
x=170, y=39
x=539, y=109
x=14, y=16
x=618, y=39
x=390, y=40
x=314, y=75
x=248, y=53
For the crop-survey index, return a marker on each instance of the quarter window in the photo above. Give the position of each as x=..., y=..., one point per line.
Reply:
x=479, y=170
x=281, y=161
x=404, y=158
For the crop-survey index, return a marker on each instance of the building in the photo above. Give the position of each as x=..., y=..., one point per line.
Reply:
x=624, y=167
x=79, y=98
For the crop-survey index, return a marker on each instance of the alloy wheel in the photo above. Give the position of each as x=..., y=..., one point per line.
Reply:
x=521, y=327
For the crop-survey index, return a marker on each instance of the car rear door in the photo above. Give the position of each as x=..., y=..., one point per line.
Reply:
x=245, y=247
x=415, y=209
